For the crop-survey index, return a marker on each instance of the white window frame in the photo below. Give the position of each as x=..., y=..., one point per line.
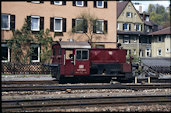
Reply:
x=60, y=2
x=8, y=60
x=102, y=26
x=80, y=5
x=100, y=6
x=76, y=25
x=126, y=41
x=129, y=15
x=38, y=17
x=38, y=60
x=8, y=22
x=117, y=26
x=139, y=26
x=158, y=52
x=168, y=51
x=36, y=2
x=58, y=18
x=127, y=27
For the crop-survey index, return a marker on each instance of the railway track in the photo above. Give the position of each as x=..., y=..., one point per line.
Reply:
x=53, y=103
x=85, y=87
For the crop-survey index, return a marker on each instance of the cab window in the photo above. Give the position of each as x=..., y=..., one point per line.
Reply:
x=82, y=54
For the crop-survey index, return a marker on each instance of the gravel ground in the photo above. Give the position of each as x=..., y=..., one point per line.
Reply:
x=117, y=108
x=80, y=93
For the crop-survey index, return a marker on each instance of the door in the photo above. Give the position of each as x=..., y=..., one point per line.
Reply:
x=81, y=62
x=69, y=62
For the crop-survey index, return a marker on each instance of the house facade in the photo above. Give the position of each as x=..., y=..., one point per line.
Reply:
x=132, y=30
x=161, y=43
x=59, y=17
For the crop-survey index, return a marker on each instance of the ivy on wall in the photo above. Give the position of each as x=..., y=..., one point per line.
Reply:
x=21, y=41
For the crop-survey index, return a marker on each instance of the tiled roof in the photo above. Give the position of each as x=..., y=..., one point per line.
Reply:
x=120, y=7
x=130, y=32
x=156, y=61
x=162, y=31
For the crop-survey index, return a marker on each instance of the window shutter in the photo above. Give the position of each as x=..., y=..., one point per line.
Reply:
x=131, y=15
x=51, y=2
x=64, y=2
x=64, y=24
x=51, y=24
x=105, y=26
x=85, y=26
x=129, y=27
x=94, y=3
x=94, y=26
x=141, y=27
x=73, y=3
x=41, y=1
x=85, y=3
x=73, y=25
x=28, y=22
x=105, y=4
x=123, y=26
x=41, y=23
x=12, y=22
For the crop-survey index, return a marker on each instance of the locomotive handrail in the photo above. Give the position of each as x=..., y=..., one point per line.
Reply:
x=64, y=59
x=74, y=59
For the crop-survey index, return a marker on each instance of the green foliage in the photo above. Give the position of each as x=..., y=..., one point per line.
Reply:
x=158, y=14
x=20, y=44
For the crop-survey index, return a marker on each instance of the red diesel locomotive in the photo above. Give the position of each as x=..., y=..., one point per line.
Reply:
x=78, y=59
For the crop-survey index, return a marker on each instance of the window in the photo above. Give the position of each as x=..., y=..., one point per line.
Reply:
x=79, y=3
x=79, y=25
x=118, y=38
x=57, y=24
x=100, y=4
x=147, y=18
x=160, y=39
x=82, y=54
x=58, y=2
x=126, y=27
x=135, y=14
x=135, y=52
x=135, y=39
x=128, y=14
x=35, y=23
x=37, y=2
x=138, y=27
x=99, y=26
x=35, y=56
x=5, y=53
x=167, y=50
x=129, y=6
x=5, y=21
x=159, y=52
x=148, y=52
x=100, y=46
x=117, y=26
x=126, y=39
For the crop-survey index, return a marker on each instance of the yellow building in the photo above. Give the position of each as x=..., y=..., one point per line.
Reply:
x=161, y=43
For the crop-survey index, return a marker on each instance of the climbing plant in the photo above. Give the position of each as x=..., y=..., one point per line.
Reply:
x=21, y=41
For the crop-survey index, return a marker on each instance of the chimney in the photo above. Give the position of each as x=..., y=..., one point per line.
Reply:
x=140, y=8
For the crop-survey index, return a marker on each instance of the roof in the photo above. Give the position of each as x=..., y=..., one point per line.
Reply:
x=131, y=32
x=120, y=7
x=162, y=62
x=162, y=31
x=74, y=44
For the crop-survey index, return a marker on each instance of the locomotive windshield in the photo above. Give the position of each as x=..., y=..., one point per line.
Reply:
x=82, y=54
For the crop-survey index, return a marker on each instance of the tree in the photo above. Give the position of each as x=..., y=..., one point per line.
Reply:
x=20, y=44
x=88, y=26
x=151, y=8
x=158, y=14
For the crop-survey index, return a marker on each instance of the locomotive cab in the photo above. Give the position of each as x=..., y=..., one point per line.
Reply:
x=72, y=58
